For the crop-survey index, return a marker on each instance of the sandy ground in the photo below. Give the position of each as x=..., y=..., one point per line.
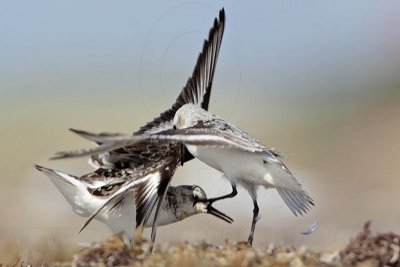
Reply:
x=367, y=249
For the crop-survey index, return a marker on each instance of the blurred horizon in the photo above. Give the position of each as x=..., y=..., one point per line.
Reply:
x=319, y=81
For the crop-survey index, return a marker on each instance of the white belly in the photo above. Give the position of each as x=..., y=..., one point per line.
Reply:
x=237, y=165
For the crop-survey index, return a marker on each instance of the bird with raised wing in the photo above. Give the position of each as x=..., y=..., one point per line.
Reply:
x=165, y=157
x=243, y=159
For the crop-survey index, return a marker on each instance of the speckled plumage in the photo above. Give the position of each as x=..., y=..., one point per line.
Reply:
x=88, y=193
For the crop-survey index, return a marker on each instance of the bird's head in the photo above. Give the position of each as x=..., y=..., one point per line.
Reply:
x=189, y=115
x=193, y=200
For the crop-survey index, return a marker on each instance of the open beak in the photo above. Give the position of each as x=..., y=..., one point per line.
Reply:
x=213, y=211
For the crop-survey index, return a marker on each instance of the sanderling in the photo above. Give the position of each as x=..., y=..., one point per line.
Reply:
x=147, y=155
x=240, y=157
x=86, y=194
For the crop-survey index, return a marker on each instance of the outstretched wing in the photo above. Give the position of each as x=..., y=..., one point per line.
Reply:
x=198, y=87
x=191, y=136
x=188, y=136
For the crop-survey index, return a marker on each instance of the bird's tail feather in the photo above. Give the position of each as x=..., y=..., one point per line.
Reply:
x=68, y=185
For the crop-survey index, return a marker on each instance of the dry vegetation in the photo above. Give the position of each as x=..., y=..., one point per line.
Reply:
x=365, y=249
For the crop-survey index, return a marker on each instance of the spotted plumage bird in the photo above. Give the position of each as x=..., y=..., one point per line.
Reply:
x=86, y=194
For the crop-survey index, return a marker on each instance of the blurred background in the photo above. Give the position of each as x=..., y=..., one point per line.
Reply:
x=319, y=81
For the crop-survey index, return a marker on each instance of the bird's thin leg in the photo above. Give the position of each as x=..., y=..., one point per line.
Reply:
x=230, y=195
x=253, y=224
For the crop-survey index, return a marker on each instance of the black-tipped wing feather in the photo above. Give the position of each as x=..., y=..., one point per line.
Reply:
x=198, y=87
x=116, y=198
x=149, y=193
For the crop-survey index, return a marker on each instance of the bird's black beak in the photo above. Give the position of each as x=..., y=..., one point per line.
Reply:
x=213, y=211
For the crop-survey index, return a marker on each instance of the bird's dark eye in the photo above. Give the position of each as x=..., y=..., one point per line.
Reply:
x=195, y=198
x=174, y=127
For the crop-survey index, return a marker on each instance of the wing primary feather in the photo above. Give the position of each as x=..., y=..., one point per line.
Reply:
x=157, y=213
x=155, y=221
x=198, y=87
x=298, y=202
x=285, y=197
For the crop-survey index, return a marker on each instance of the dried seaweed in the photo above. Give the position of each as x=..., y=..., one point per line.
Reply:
x=376, y=250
